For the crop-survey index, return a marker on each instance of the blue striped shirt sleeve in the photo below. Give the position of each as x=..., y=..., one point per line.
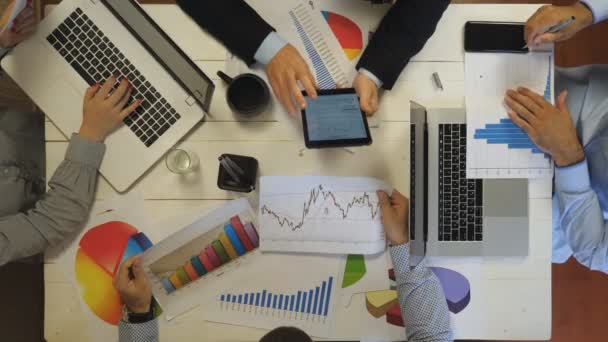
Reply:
x=423, y=304
x=140, y=332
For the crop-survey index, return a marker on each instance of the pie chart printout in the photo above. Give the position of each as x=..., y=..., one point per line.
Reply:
x=100, y=253
x=347, y=32
x=456, y=288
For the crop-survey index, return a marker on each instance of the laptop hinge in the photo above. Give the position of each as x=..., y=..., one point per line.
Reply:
x=426, y=186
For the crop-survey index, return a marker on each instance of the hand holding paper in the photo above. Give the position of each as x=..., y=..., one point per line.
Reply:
x=18, y=22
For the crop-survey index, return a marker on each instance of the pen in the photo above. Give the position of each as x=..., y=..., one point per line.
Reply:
x=437, y=81
x=556, y=28
x=226, y=165
x=234, y=165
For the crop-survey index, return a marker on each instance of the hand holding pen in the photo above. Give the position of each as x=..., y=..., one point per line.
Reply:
x=557, y=23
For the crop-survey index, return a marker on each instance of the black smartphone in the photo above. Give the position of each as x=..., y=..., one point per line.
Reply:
x=485, y=36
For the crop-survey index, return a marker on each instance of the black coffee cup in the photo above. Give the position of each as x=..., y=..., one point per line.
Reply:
x=247, y=94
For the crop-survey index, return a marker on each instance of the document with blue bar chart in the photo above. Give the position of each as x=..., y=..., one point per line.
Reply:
x=304, y=26
x=496, y=147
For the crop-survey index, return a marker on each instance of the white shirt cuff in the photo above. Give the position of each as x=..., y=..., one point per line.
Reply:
x=573, y=178
x=371, y=77
x=269, y=48
x=599, y=8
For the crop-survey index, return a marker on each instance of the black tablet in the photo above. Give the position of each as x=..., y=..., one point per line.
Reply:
x=335, y=119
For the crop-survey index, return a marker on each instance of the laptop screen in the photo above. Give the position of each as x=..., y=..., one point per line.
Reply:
x=166, y=52
x=418, y=185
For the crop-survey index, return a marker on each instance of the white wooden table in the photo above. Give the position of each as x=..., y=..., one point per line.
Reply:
x=518, y=292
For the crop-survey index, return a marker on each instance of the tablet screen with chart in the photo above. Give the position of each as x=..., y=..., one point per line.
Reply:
x=335, y=119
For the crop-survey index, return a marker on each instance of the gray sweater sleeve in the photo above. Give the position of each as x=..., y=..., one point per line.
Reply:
x=61, y=211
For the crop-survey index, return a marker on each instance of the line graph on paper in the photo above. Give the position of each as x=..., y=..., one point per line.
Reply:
x=325, y=205
x=308, y=211
x=496, y=146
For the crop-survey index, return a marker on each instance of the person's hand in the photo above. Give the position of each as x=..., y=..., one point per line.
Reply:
x=284, y=71
x=549, y=127
x=103, y=112
x=395, y=210
x=24, y=26
x=550, y=15
x=367, y=90
x=133, y=286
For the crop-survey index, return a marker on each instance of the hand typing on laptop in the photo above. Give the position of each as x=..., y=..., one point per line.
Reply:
x=105, y=110
x=549, y=127
x=24, y=26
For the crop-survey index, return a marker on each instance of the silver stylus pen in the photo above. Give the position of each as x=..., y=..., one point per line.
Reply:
x=556, y=28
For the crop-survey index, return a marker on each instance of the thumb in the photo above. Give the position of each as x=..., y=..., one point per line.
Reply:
x=374, y=102
x=384, y=200
x=365, y=101
x=138, y=269
x=561, y=101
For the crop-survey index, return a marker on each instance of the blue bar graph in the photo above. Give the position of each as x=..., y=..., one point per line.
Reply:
x=314, y=308
x=331, y=279
x=322, y=298
x=324, y=77
x=313, y=301
x=507, y=133
x=309, y=301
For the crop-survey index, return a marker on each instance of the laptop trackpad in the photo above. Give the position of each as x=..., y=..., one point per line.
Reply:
x=67, y=112
x=506, y=236
x=505, y=198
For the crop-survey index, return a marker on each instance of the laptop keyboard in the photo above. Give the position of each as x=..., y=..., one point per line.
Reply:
x=95, y=58
x=460, y=199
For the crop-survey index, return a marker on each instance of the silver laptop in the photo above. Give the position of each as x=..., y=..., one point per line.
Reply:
x=85, y=41
x=451, y=215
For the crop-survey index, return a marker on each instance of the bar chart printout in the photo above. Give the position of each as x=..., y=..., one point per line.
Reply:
x=307, y=307
x=310, y=309
x=496, y=146
x=281, y=290
x=327, y=62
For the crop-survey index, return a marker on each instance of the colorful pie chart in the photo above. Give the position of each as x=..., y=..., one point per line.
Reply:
x=348, y=33
x=100, y=253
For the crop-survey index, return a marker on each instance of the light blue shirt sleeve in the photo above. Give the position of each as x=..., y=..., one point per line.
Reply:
x=371, y=76
x=581, y=216
x=269, y=48
x=599, y=8
x=423, y=304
